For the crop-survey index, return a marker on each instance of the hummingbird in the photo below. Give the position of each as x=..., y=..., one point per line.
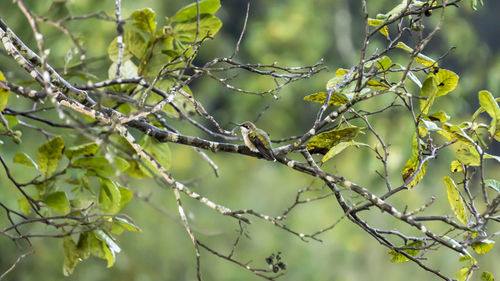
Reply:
x=256, y=139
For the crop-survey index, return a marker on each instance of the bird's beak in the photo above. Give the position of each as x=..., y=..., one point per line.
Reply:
x=236, y=124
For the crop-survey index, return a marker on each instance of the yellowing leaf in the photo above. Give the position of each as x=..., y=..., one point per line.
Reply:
x=486, y=276
x=456, y=203
x=376, y=22
x=463, y=273
x=323, y=142
x=49, y=155
x=24, y=205
x=4, y=94
x=429, y=90
x=412, y=165
x=467, y=154
x=456, y=166
x=335, y=99
x=440, y=116
x=483, y=247
x=445, y=80
x=421, y=58
x=487, y=101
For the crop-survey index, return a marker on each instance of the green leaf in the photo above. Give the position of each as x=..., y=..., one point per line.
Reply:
x=11, y=122
x=191, y=11
x=486, y=276
x=24, y=159
x=4, y=94
x=383, y=63
x=113, y=51
x=134, y=43
x=487, y=101
x=335, y=99
x=159, y=150
x=144, y=20
x=110, y=248
x=58, y=202
x=323, y=142
x=71, y=256
x=413, y=248
x=452, y=132
x=186, y=31
x=339, y=148
x=24, y=205
x=412, y=165
x=49, y=155
x=483, y=247
x=83, y=246
x=467, y=154
x=88, y=149
x=493, y=184
x=96, y=246
x=127, y=70
x=456, y=203
x=429, y=90
x=126, y=224
x=120, y=164
x=109, y=197
x=376, y=22
x=463, y=273
x=98, y=164
x=445, y=80
x=125, y=196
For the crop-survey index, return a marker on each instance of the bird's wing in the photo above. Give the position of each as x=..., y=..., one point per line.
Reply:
x=268, y=153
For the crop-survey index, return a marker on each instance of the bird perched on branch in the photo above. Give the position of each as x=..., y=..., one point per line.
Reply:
x=256, y=139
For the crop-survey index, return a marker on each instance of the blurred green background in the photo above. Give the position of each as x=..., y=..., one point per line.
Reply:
x=293, y=33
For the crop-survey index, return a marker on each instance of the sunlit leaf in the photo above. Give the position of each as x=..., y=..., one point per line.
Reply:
x=376, y=22
x=335, y=99
x=383, y=63
x=49, y=155
x=4, y=94
x=486, y=276
x=186, y=31
x=24, y=159
x=463, y=273
x=440, y=116
x=144, y=20
x=483, y=247
x=191, y=11
x=127, y=70
x=467, y=154
x=323, y=142
x=12, y=121
x=456, y=203
x=456, y=166
x=126, y=224
x=445, y=80
x=71, y=256
x=58, y=202
x=487, y=101
x=339, y=148
x=421, y=58
x=429, y=90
